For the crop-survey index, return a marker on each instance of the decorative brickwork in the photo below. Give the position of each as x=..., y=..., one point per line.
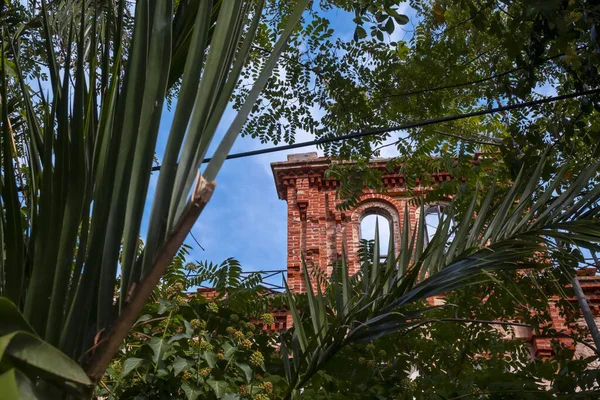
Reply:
x=317, y=230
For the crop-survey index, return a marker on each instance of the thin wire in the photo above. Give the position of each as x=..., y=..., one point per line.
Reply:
x=410, y=125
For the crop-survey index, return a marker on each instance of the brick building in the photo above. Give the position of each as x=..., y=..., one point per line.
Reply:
x=317, y=230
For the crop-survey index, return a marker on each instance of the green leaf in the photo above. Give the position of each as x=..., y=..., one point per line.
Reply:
x=401, y=19
x=46, y=359
x=389, y=26
x=231, y=396
x=9, y=386
x=158, y=346
x=228, y=351
x=219, y=387
x=192, y=392
x=359, y=33
x=12, y=319
x=247, y=371
x=180, y=364
x=16, y=385
x=165, y=305
x=131, y=364
x=211, y=358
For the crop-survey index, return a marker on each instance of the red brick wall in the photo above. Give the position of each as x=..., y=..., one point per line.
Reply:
x=318, y=230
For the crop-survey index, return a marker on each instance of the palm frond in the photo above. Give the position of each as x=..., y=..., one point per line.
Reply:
x=518, y=231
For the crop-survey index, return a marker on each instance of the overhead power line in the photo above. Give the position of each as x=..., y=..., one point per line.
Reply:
x=410, y=125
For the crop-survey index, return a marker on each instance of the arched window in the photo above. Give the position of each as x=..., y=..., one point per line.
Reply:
x=434, y=215
x=368, y=222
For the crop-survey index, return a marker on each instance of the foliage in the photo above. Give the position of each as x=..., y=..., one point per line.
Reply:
x=29, y=366
x=374, y=334
x=452, y=57
x=522, y=230
x=78, y=150
x=186, y=345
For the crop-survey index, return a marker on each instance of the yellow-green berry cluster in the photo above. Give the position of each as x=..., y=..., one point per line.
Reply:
x=230, y=330
x=246, y=344
x=268, y=319
x=212, y=307
x=370, y=347
x=234, y=317
x=382, y=353
x=220, y=355
x=205, y=346
x=187, y=375
x=260, y=396
x=268, y=387
x=362, y=360
x=243, y=390
x=257, y=359
x=204, y=372
x=238, y=335
x=179, y=287
x=371, y=364
x=196, y=323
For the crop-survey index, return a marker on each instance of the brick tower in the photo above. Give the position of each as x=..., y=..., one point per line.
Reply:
x=317, y=229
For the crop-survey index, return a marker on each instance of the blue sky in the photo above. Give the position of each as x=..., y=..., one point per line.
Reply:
x=244, y=218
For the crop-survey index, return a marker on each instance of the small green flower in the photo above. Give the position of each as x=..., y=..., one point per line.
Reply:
x=382, y=353
x=204, y=372
x=257, y=359
x=234, y=317
x=250, y=326
x=246, y=344
x=362, y=360
x=230, y=330
x=212, y=307
x=371, y=364
x=260, y=396
x=370, y=347
x=268, y=319
x=249, y=334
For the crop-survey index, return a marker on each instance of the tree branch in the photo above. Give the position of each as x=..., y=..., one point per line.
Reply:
x=102, y=356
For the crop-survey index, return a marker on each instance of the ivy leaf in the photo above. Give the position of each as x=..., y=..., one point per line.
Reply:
x=219, y=387
x=189, y=330
x=131, y=364
x=228, y=351
x=231, y=396
x=192, y=392
x=247, y=371
x=165, y=305
x=180, y=364
x=158, y=346
x=211, y=358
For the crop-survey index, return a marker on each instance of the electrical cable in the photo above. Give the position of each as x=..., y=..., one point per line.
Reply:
x=410, y=125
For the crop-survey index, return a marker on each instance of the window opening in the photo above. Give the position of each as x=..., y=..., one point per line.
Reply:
x=434, y=216
x=367, y=231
